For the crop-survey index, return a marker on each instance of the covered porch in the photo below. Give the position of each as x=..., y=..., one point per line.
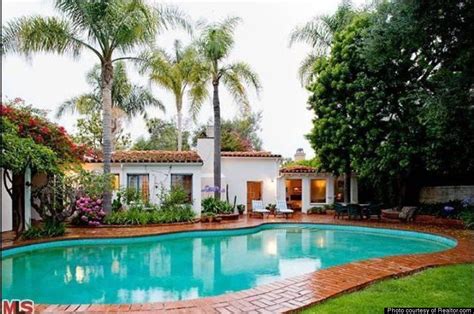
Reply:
x=304, y=187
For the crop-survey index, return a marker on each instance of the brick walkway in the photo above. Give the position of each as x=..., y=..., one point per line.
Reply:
x=285, y=295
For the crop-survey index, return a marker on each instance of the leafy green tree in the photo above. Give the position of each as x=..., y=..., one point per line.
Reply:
x=180, y=72
x=128, y=100
x=393, y=100
x=163, y=135
x=318, y=33
x=105, y=28
x=89, y=132
x=215, y=44
x=332, y=100
x=238, y=134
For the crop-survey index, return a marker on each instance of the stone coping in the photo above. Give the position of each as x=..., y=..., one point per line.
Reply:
x=286, y=295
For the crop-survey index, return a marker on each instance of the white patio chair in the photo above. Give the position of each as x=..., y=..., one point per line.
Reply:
x=282, y=208
x=257, y=207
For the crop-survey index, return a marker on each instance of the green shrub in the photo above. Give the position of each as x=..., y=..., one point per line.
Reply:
x=212, y=205
x=182, y=213
x=175, y=196
x=317, y=210
x=468, y=218
x=50, y=229
x=33, y=232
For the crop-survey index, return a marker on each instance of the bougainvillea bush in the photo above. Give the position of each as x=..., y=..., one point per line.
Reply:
x=89, y=211
x=30, y=140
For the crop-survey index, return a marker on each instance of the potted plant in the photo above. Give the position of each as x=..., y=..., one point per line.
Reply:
x=271, y=208
x=241, y=209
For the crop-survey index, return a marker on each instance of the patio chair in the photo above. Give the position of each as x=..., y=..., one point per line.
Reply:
x=339, y=210
x=373, y=210
x=259, y=208
x=354, y=210
x=407, y=214
x=282, y=208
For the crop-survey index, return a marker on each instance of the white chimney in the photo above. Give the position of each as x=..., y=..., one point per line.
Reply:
x=210, y=131
x=300, y=155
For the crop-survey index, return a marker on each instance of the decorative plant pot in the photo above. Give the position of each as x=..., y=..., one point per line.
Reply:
x=228, y=216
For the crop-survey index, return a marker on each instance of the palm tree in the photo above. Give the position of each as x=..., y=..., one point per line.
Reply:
x=105, y=28
x=318, y=33
x=128, y=100
x=215, y=44
x=179, y=72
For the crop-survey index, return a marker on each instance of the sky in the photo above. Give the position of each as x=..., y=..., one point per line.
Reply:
x=261, y=40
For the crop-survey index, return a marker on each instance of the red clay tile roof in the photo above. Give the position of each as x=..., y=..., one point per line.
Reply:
x=152, y=156
x=250, y=154
x=298, y=169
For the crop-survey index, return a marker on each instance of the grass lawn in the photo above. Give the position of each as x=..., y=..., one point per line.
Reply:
x=448, y=286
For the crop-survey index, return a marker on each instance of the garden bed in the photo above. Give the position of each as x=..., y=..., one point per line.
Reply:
x=137, y=225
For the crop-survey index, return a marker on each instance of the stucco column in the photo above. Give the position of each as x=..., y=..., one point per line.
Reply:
x=305, y=194
x=354, y=190
x=27, y=213
x=281, y=189
x=330, y=190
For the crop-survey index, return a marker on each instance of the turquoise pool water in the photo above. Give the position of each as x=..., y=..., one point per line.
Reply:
x=193, y=264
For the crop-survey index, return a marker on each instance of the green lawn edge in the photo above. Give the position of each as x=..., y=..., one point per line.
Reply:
x=446, y=286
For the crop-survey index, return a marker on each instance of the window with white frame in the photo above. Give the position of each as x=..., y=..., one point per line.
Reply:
x=185, y=181
x=140, y=183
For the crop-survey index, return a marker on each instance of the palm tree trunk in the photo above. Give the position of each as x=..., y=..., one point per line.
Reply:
x=180, y=122
x=217, y=140
x=107, y=80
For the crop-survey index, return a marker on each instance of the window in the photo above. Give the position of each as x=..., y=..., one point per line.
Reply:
x=140, y=183
x=318, y=191
x=115, y=181
x=185, y=181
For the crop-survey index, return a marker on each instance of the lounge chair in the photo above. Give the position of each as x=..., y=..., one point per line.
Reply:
x=339, y=210
x=407, y=214
x=282, y=208
x=373, y=210
x=257, y=207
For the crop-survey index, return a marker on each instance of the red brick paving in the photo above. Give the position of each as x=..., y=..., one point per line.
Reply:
x=285, y=295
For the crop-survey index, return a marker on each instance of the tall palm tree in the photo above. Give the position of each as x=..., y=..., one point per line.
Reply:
x=105, y=28
x=318, y=33
x=180, y=72
x=215, y=44
x=128, y=100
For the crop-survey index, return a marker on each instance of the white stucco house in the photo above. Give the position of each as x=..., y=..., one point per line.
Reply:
x=246, y=176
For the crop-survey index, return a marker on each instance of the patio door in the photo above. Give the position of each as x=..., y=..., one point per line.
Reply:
x=254, y=192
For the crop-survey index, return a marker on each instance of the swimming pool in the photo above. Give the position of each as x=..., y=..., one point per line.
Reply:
x=193, y=264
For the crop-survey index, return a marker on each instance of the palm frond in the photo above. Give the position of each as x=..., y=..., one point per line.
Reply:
x=315, y=32
x=138, y=100
x=305, y=69
x=82, y=104
x=217, y=39
x=198, y=94
x=172, y=17
x=27, y=35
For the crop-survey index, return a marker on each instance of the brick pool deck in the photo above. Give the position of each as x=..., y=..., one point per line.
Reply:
x=285, y=295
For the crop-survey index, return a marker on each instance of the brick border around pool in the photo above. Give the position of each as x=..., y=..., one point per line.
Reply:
x=289, y=294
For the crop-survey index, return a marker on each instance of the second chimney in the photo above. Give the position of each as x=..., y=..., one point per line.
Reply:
x=300, y=155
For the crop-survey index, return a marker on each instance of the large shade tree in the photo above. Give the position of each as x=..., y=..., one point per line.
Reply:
x=182, y=73
x=110, y=30
x=128, y=101
x=215, y=44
